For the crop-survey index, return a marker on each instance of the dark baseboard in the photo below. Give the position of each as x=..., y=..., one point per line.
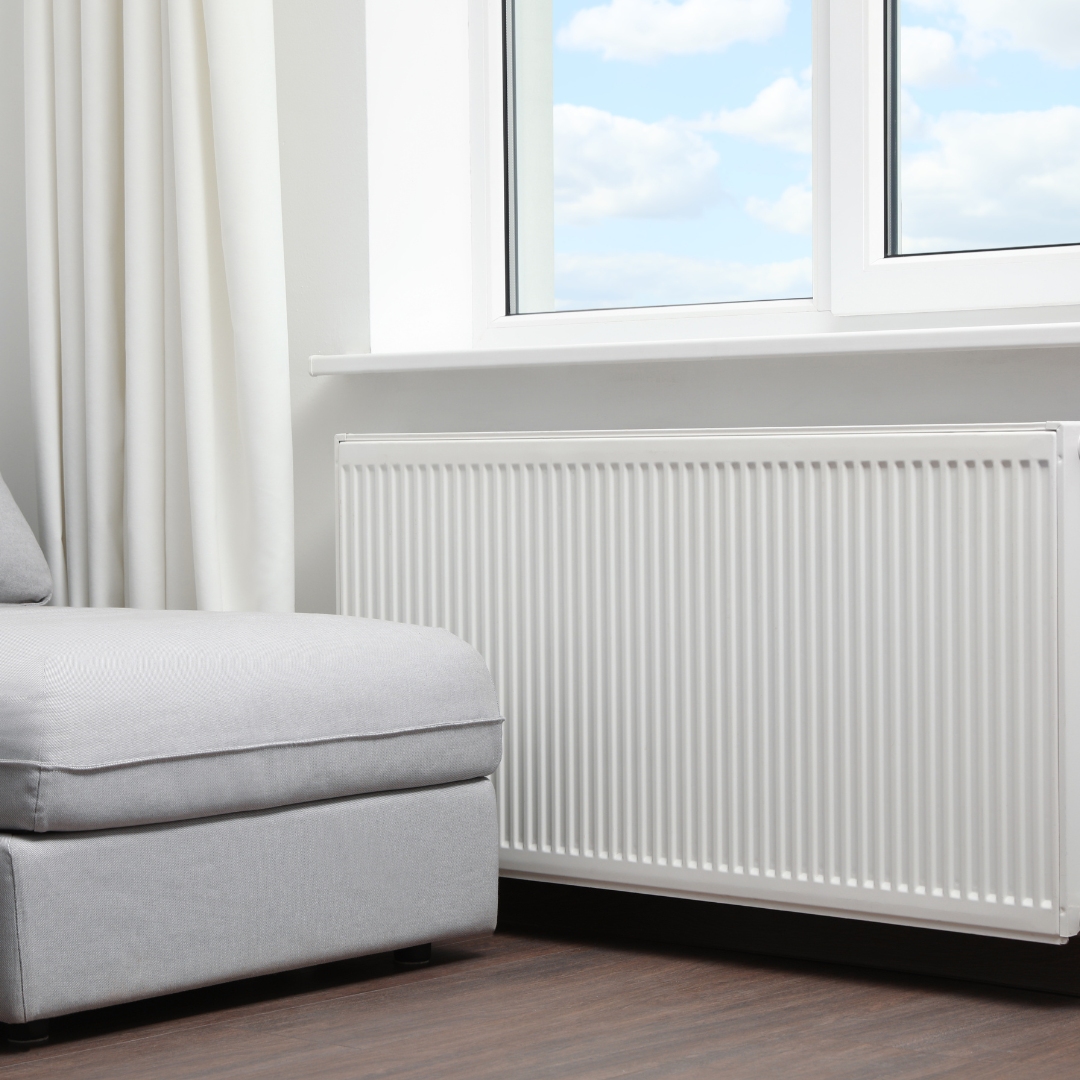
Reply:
x=578, y=910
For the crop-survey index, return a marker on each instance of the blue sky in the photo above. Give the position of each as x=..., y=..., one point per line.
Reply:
x=991, y=123
x=696, y=228
x=682, y=139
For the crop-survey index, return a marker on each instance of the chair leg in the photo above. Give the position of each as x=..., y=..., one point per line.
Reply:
x=35, y=1033
x=417, y=956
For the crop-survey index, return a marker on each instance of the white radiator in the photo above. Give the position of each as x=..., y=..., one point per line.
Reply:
x=827, y=670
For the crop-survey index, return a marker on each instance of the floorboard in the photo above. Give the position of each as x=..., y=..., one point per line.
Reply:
x=531, y=1005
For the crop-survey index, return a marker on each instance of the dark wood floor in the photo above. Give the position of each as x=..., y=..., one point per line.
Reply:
x=526, y=1005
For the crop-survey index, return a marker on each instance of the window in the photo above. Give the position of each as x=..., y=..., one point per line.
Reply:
x=868, y=171
x=984, y=124
x=658, y=153
x=886, y=110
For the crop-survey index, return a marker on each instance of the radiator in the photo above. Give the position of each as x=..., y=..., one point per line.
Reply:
x=826, y=670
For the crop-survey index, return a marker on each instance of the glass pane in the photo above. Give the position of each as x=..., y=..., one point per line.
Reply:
x=989, y=114
x=659, y=152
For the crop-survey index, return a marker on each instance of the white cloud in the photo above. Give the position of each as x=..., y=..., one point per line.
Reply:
x=928, y=57
x=793, y=212
x=613, y=166
x=779, y=116
x=646, y=30
x=1050, y=28
x=647, y=279
x=995, y=179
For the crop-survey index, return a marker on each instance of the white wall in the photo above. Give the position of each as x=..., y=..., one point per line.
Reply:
x=321, y=103
x=320, y=69
x=17, y=464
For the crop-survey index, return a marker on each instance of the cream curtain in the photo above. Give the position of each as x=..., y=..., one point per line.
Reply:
x=158, y=334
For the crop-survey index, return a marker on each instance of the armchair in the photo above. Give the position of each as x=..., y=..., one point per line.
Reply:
x=192, y=797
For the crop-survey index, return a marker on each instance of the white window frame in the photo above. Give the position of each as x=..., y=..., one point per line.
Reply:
x=864, y=281
x=437, y=223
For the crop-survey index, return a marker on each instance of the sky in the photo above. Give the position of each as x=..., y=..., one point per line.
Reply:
x=682, y=141
x=682, y=151
x=990, y=123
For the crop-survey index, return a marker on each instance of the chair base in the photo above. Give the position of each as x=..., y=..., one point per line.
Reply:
x=23, y=1036
x=415, y=957
x=113, y=916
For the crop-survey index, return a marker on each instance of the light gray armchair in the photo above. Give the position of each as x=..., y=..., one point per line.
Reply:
x=193, y=797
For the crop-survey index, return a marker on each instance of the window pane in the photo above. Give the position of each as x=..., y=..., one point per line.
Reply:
x=989, y=115
x=659, y=152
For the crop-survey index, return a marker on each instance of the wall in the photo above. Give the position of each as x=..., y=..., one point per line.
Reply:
x=17, y=464
x=321, y=107
x=320, y=51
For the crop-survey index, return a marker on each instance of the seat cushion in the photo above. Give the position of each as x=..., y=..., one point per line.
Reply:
x=24, y=573
x=118, y=717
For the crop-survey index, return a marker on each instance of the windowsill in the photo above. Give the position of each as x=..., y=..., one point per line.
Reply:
x=832, y=342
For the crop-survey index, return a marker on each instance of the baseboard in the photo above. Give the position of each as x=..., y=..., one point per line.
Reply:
x=574, y=909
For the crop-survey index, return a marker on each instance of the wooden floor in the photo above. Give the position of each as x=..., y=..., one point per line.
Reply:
x=521, y=1005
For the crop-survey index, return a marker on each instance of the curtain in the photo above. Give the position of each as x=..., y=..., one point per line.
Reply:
x=158, y=336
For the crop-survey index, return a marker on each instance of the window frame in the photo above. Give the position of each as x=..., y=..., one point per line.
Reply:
x=438, y=205
x=496, y=329
x=866, y=281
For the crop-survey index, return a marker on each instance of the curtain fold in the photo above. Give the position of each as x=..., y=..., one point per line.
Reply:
x=145, y=481
x=159, y=341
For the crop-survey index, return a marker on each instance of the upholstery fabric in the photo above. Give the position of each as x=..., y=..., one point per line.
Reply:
x=113, y=718
x=94, y=919
x=24, y=574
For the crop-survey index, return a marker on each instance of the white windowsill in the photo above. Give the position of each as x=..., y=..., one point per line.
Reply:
x=1040, y=335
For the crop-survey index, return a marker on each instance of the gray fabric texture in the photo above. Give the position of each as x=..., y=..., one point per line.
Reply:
x=111, y=718
x=11, y=983
x=131, y=913
x=24, y=573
